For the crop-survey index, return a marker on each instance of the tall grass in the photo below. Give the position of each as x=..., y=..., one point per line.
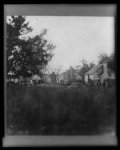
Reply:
x=60, y=110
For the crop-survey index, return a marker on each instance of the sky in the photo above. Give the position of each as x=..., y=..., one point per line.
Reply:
x=75, y=37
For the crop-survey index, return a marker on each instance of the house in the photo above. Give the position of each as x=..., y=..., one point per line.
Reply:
x=69, y=76
x=46, y=78
x=14, y=80
x=101, y=72
x=35, y=79
x=50, y=78
x=53, y=78
x=23, y=81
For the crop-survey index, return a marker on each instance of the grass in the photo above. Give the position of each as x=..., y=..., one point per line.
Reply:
x=60, y=110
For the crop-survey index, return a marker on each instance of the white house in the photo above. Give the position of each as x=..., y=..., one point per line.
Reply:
x=101, y=72
x=70, y=75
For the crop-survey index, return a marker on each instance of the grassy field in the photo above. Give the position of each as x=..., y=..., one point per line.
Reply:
x=60, y=110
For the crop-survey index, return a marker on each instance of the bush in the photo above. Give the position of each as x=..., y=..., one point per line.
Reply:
x=59, y=110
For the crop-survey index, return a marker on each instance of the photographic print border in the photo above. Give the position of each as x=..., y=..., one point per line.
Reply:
x=57, y=10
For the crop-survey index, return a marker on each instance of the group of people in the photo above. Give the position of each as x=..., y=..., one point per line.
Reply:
x=106, y=83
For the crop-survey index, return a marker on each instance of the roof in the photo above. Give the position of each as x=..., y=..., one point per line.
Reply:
x=46, y=75
x=73, y=71
x=36, y=77
x=93, y=69
x=49, y=75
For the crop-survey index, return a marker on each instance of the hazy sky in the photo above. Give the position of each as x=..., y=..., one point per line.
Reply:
x=75, y=37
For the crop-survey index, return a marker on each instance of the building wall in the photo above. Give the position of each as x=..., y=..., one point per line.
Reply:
x=70, y=76
x=47, y=79
x=96, y=77
x=112, y=76
x=91, y=76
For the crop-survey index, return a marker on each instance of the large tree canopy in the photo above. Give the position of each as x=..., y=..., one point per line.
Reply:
x=26, y=56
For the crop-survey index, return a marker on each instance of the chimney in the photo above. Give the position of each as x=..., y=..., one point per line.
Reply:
x=105, y=69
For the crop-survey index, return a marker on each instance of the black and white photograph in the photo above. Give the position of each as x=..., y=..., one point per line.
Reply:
x=60, y=75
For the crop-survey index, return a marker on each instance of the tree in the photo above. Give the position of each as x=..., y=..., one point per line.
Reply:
x=84, y=67
x=26, y=56
x=16, y=27
x=103, y=57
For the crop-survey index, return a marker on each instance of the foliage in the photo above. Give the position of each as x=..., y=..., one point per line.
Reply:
x=16, y=26
x=85, y=66
x=26, y=56
x=103, y=57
